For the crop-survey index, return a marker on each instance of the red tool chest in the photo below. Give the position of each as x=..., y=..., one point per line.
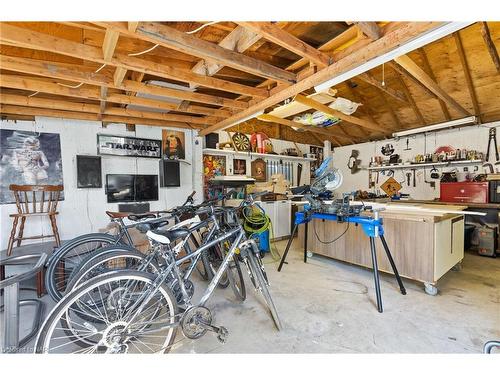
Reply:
x=464, y=192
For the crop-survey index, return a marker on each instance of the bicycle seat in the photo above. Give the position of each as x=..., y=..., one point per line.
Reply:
x=151, y=225
x=146, y=215
x=167, y=236
x=117, y=215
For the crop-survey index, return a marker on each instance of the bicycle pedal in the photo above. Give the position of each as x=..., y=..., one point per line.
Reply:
x=222, y=334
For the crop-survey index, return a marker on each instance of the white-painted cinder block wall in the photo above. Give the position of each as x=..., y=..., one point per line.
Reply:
x=469, y=137
x=82, y=211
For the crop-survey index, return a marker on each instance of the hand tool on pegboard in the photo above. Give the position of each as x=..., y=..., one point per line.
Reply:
x=492, y=137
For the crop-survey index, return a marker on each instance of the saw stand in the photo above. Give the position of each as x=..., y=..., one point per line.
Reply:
x=372, y=227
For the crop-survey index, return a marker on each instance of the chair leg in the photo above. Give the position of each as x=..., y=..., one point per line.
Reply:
x=55, y=231
x=21, y=230
x=12, y=236
x=2, y=277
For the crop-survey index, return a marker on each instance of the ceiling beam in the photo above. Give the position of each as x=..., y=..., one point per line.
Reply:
x=6, y=109
x=93, y=93
x=468, y=77
x=407, y=75
x=387, y=43
x=370, y=29
x=23, y=37
x=172, y=38
x=109, y=44
x=34, y=101
x=368, y=78
x=428, y=70
x=423, y=77
x=298, y=125
x=273, y=33
x=238, y=40
x=332, y=112
x=132, y=26
x=61, y=71
x=485, y=32
x=406, y=90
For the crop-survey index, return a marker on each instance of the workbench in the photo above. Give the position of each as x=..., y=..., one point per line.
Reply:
x=424, y=245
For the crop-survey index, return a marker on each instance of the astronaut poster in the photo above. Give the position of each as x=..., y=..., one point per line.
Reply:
x=28, y=158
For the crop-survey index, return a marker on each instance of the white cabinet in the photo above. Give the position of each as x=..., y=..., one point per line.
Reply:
x=279, y=212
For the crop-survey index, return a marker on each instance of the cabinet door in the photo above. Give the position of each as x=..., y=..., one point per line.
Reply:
x=282, y=225
x=269, y=208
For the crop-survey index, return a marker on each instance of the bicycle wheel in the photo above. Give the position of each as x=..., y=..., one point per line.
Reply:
x=212, y=259
x=258, y=276
x=236, y=279
x=113, y=260
x=68, y=256
x=121, y=325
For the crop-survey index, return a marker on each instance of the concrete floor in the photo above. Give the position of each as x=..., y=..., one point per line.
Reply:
x=328, y=306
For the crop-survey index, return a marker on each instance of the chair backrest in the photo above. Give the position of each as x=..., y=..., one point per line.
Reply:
x=36, y=198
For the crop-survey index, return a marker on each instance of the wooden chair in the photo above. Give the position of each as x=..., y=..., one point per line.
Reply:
x=34, y=201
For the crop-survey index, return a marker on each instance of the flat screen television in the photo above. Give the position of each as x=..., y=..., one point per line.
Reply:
x=131, y=188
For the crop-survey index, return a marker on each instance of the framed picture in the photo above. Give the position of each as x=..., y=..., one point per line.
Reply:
x=128, y=146
x=259, y=170
x=239, y=166
x=173, y=144
x=28, y=158
x=88, y=172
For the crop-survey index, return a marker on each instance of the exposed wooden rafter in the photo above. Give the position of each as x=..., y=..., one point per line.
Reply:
x=93, y=93
x=409, y=97
x=61, y=71
x=273, y=33
x=169, y=37
x=44, y=42
x=370, y=29
x=428, y=70
x=423, y=77
x=387, y=43
x=467, y=75
x=368, y=78
x=23, y=111
x=485, y=31
x=94, y=108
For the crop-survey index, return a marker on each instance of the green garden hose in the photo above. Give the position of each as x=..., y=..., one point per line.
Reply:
x=257, y=222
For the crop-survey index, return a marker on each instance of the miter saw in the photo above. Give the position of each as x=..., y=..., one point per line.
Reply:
x=327, y=180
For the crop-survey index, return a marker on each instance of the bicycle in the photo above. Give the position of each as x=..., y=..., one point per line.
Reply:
x=136, y=310
x=64, y=259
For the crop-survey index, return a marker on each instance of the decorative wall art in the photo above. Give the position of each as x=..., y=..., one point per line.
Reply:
x=212, y=166
x=28, y=158
x=259, y=170
x=128, y=146
x=88, y=171
x=240, y=166
x=173, y=144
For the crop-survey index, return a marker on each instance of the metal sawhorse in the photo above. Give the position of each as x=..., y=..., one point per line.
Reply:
x=372, y=227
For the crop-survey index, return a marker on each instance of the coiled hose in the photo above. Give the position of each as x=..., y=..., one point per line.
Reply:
x=257, y=222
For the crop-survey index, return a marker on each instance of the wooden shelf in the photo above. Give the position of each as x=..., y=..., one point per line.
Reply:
x=212, y=151
x=423, y=165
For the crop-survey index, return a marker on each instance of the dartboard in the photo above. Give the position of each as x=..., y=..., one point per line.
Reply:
x=241, y=142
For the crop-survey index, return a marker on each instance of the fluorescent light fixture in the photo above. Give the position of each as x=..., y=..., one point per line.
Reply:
x=249, y=117
x=440, y=126
x=420, y=41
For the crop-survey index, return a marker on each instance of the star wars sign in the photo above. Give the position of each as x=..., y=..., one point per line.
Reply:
x=127, y=146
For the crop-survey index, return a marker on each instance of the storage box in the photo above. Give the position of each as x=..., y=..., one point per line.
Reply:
x=487, y=241
x=464, y=192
